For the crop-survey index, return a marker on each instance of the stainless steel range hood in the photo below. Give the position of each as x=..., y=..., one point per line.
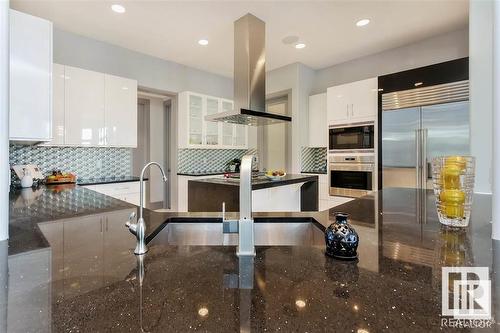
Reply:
x=249, y=76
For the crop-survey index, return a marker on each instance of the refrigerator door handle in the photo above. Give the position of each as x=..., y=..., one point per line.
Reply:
x=418, y=159
x=423, y=157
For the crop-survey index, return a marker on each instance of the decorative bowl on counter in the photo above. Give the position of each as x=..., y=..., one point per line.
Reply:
x=275, y=174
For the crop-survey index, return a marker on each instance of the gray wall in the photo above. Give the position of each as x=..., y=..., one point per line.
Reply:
x=448, y=46
x=150, y=72
x=481, y=91
x=296, y=79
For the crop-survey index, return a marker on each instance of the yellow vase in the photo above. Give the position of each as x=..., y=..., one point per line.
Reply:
x=452, y=203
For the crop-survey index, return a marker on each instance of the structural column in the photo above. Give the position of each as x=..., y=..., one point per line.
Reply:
x=4, y=120
x=496, y=120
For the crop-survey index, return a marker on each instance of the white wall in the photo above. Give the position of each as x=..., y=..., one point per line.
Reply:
x=481, y=90
x=496, y=122
x=441, y=48
x=150, y=72
x=4, y=120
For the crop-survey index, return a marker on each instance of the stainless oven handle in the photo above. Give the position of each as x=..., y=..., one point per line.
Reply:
x=351, y=167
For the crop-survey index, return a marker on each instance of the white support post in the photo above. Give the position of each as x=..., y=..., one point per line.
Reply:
x=4, y=120
x=496, y=121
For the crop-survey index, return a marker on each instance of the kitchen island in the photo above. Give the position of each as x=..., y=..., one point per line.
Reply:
x=291, y=193
x=83, y=278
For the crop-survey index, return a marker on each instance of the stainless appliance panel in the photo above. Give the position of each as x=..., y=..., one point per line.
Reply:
x=411, y=137
x=352, y=137
x=351, y=176
x=399, y=142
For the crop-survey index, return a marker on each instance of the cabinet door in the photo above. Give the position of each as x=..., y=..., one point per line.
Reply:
x=211, y=128
x=227, y=128
x=83, y=254
x=318, y=128
x=363, y=99
x=84, y=107
x=195, y=119
x=30, y=78
x=338, y=104
x=119, y=244
x=120, y=111
x=240, y=136
x=58, y=129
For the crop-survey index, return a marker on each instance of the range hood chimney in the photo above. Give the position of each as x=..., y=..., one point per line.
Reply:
x=249, y=76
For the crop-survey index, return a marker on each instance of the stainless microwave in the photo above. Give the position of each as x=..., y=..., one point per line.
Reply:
x=352, y=138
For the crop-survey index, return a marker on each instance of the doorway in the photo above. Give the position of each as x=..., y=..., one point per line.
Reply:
x=154, y=144
x=274, y=140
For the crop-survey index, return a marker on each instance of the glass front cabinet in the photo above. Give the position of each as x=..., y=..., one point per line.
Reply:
x=196, y=132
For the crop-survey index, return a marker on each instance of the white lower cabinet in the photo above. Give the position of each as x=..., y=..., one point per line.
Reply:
x=129, y=191
x=277, y=199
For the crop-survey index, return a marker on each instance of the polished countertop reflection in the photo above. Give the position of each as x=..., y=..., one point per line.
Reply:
x=84, y=277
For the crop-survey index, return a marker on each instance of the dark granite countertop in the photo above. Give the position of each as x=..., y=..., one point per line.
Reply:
x=199, y=174
x=260, y=182
x=93, y=282
x=107, y=180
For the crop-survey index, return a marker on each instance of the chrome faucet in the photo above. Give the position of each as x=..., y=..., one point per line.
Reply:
x=139, y=228
x=244, y=226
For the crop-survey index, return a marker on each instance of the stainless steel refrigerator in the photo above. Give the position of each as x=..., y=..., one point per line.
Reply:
x=420, y=124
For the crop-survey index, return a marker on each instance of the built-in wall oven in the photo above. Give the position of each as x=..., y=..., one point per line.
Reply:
x=351, y=175
x=352, y=138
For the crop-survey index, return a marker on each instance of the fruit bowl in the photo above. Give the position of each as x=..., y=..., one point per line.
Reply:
x=275, y=175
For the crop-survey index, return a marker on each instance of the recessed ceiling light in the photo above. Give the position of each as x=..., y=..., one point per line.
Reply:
x=118, y=9
x=300, y=45
x=363, y=22
x=203, y=42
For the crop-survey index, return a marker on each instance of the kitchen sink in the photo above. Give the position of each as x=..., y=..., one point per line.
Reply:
x=290, y=233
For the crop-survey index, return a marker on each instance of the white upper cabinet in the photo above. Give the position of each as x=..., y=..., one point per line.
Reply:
x=58, y=126
x=212, y=134
x=364, y=99
x=30, y=78
x=93, y=109
x=353, y=102
x=84, y=107
x=318, y=127
x=120, y=111
x=196, y=132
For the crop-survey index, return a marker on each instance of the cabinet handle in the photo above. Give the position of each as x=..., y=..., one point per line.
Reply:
x=352, y=110
x=101, y=224
x=347, y=110
x=106, y=224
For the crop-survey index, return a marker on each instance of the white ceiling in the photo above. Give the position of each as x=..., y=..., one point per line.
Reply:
x=171, y=29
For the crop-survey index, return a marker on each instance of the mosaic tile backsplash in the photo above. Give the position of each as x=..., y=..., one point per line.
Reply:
x=195, y=161
x=314, y=159
x=86, y=162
